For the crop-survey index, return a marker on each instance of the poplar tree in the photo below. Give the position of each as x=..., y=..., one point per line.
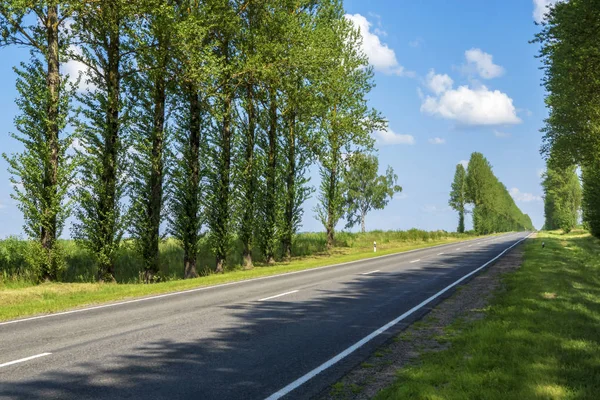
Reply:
x=458, y=196
x=569, y=55
x=105, y=33
x=247, y=168
x=494, y=209
x=591, y=199
x=298, y=106
x=44, y=168
x=152, y=88
x=562, y=197
x=345, y=120
x=194, y=67
x=219, y=197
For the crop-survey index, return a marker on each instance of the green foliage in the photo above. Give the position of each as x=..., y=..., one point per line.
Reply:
x=43, y=172
x=106, y=29
x=571, y=62
x=365, y=190
x=153, y=90
x=15, y=262
x=42, y=201
x=494, y=209
x=562, y=198
x=458, y=196
x=345, y=119
x=202, y=118
x=591, y=199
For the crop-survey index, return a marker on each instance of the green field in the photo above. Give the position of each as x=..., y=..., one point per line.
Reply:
x=20, y=297
x=540, y=339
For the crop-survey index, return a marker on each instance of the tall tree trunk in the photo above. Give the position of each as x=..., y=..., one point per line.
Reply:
x=461, y=221
x=271, y=178
x=290, y=188
x=191, y=237
x=247, y=226
x=49, y=222
x=108, y=202
x=331, y=219
x=332, y=197
x=363, y=214
x=156, y=176
x=222, y=227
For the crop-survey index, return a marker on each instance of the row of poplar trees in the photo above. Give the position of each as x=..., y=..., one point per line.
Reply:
x=200, y=116
x=570, y=58
x=478, y=191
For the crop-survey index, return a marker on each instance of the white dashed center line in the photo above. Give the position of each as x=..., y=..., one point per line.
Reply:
x=368, y=273
x=24, y=359
x=278, y=295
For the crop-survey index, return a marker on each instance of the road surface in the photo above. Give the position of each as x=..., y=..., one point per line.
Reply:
x=270, y=337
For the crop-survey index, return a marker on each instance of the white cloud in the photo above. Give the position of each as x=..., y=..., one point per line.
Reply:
x=416, y=43
x=77, y=70
x=464, y=163
x=380, y=55
x=2, y=206
x=438, y=83
x=501, y=134
x=77, y=145
x=523, y=197
x=437, y=140
x=476, y=107
x=540, y=8
x=482, y=63
x=400, y=196
x=390, y=137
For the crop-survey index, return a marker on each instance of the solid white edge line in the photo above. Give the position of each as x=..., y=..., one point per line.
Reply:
x=278, y=295
x=300, y=381
x=24, y=359
x=14, y=321
x=371, y=272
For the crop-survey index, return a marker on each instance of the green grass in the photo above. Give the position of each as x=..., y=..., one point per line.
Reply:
x=540, y=339
x=17, y=261
x=21, y=299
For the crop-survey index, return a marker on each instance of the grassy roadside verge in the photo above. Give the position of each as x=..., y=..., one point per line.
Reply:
x=21, y=301
x=539, y=340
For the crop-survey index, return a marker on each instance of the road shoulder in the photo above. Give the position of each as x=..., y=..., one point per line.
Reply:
x=425, y=336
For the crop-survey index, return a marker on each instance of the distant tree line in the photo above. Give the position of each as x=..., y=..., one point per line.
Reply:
x=199, y=117
x=492, y=206
x=569, y=53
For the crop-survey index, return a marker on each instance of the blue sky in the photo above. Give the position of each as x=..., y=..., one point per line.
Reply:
x=452, y=77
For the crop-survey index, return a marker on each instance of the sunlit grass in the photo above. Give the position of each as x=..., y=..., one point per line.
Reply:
x=539, y=340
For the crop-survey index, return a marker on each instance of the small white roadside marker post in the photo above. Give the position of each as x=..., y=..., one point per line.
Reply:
x=374, y=247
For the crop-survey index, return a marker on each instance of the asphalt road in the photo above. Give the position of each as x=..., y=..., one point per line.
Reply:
x=236, y=341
